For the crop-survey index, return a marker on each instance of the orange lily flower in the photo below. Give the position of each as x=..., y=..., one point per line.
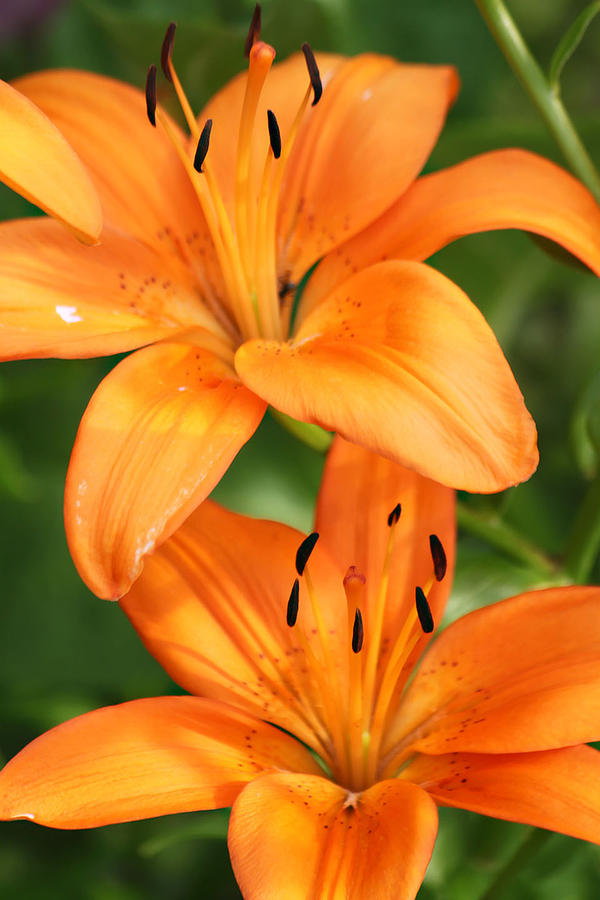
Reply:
x=493, y=719
x=38, y=163
x=198, y=268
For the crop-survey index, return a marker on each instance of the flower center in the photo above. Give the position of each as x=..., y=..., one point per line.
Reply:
x=245, y=243
x=356, y=700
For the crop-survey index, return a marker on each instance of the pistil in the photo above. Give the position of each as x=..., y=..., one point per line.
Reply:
x=259, y=64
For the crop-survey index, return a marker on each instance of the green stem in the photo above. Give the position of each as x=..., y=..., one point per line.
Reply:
x=494, y=531
x=533, y=841
x=584, y=543
x=311, y=435
x=547, y=100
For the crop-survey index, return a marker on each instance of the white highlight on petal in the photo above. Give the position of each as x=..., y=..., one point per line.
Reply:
x=68, y=314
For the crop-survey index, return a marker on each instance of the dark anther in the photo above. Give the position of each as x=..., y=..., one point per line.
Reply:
x=304, y=550
x=202, y=148
x=151, y=94
x=292, y=607
x=438, y=556
x=288, y=287
x=394, y=516
x=274, y=134
x=423, y=611
x=358, y=632
x=313, y=73
x=166, y=50
x=253, y=31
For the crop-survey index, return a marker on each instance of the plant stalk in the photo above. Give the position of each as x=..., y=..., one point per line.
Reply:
x=546, y=99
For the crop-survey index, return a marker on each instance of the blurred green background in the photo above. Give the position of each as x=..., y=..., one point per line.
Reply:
x=62, y=651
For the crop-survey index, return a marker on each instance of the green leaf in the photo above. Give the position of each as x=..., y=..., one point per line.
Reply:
x=570, y=42
x=483, y=576
x=314, y=437
x=210, y=825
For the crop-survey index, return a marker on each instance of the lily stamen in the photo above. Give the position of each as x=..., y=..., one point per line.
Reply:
x=274, y=133
x=247, y=249
x=203, y=144
x=210, y=199
x=357, y=632
x=170, y=74
x=438, y=555
x=313, y=72
x=151, y=95
x=293, y=603
x=373, y=652
x=227, y=247
x=304, y=551
x=423, y=611
x=220, y=231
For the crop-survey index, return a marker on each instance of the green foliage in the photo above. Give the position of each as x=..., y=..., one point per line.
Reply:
x=570, y=41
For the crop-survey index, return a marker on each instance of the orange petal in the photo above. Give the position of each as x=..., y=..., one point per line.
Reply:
x=520, y=675
x=60, y=298
x=358, y=491
x=37, y=162
x=210, y=605
x=366, y=141
x=305, y=837
x=156, y=437
x=141, y=759
x=142, y=185
x=399, y=360
x=502, y=189
x=556, y=789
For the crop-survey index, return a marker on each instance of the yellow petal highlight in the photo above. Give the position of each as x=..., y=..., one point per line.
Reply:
x=302, y=837
x=558, y=789
x=141, y=759
x=399, y=360
x=156, y=437
x=37, y=162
